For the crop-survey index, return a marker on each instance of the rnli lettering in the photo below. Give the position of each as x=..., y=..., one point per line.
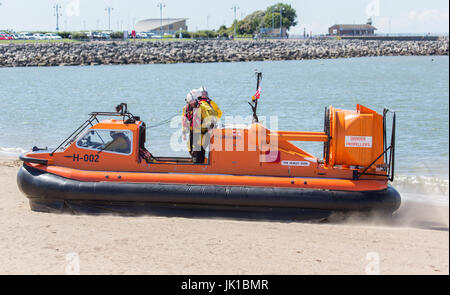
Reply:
x=85, y=158
x=358, y=141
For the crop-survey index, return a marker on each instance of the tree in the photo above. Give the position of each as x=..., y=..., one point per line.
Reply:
x=289, y=16
x=223, y=28
x=223, y=31
x=252, y=22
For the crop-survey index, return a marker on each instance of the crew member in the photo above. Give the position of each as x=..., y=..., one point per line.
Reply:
x=198, y=118
x=205, y=98
x=120, y=143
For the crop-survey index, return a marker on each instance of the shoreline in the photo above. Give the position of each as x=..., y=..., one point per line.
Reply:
x=414, y=241
x=140, y=52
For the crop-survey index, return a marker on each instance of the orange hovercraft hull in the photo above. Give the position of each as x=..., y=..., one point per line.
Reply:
x=181, y=195
x=285, y=183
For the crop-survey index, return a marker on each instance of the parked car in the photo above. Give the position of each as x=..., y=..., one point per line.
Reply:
x=97, y=36
x=105, y=36
x=52, y=36
x=92, y=35
x=141, y=36
x=39, y=37
x=27, y=36
x=6, y=37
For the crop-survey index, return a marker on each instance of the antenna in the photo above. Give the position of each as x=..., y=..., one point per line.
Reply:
x=255, y=98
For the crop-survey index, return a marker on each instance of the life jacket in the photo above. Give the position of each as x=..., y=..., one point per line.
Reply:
x=207, y=99
x=188, y=115
x=193, y=116
x=213, y=105
x=197, y=118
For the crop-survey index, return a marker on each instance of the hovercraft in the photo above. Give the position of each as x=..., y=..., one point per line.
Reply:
x=249, y=171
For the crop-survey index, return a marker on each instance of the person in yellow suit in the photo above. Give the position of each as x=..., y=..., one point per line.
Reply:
x=199, y=117
x=205, y=98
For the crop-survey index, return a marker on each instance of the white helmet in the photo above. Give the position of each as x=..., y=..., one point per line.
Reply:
x=203, y=92
x=191, y=96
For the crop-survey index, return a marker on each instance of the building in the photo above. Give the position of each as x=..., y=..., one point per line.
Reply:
x=165, y=25
x=353, y=30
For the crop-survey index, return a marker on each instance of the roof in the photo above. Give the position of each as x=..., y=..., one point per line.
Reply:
x=115, y=124
x=354, y=27
x=154, y=23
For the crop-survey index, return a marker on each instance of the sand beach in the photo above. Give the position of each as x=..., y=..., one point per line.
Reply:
x=415, y=241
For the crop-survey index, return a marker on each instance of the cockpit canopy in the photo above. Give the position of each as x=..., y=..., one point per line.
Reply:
x=107, y=140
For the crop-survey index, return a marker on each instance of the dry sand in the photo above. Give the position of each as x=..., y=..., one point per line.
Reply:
x=416, y=241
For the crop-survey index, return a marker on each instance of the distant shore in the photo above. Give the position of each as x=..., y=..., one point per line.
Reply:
x=138, y=52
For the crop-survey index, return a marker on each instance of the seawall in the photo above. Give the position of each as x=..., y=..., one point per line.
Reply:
x=142, y=52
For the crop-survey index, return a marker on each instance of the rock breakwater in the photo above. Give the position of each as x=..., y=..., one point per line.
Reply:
x=123, y=52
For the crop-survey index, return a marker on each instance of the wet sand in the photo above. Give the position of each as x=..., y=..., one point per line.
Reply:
x=415, y=241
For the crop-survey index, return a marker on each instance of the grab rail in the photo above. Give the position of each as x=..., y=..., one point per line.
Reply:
x=389, y=158
x=121, y=111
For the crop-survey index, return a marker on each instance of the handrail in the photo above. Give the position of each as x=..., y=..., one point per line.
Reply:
x=390, y=159
x=121, y=111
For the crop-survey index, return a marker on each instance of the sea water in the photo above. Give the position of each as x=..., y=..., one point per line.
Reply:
x=42, y=106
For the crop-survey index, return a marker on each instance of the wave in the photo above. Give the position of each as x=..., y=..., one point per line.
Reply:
x=421, y=184
x=4, y=151
x=423, y=188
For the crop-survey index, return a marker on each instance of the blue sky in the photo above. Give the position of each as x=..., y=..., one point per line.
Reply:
x=391, y=16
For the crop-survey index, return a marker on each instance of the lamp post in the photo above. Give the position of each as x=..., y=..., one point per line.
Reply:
x=235, y=7
x=57, y=7
x=161, y=6
x=109, y=9
x=281, y=21
x=273, y=21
